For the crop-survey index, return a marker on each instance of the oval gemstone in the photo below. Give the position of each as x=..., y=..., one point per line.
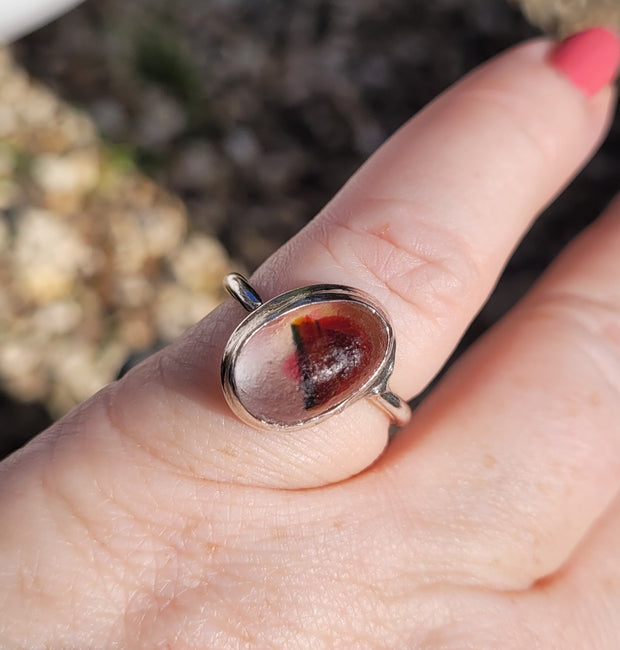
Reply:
x=308, y=360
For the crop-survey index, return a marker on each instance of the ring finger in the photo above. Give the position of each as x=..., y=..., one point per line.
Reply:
x=425, y=227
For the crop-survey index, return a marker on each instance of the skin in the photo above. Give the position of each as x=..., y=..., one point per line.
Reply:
x=151, y=518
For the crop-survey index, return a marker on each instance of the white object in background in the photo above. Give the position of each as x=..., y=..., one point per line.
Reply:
x=17, y=17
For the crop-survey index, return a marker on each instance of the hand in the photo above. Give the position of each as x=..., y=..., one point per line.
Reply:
x=150, y=517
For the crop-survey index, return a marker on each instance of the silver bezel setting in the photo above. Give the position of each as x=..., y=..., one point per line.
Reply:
x=263, y=313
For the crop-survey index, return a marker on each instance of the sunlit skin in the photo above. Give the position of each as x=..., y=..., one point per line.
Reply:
x=151, y=517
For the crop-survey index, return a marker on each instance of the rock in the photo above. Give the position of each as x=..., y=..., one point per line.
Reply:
x=14, y=87
x=7, y=312
x=142, y=234
x=136, y=330
x=4, y=229
x=40, y=108
x=7, y=161
x=8, y=120
x=75, y=173
x=242, y=147
x=128, y=251
x=79, y=370
x=201, y=264
x=164, y=225
x=134, y=290
x=162, y=119
x=564, y=17
x=48, y=256
x=110, y=116
x=57, y=318
x=196, y=167
x=94, y=257
x=74, y=130
x=177, y=309
x=6, y=63
x=9, y=193
x=32, y=117
x=22, y=370
x=279, y=169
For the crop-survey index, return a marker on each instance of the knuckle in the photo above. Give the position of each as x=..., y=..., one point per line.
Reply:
x=424, y=266
x=592, y=325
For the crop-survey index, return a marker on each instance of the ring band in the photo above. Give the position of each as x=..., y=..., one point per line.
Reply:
x=308, y=354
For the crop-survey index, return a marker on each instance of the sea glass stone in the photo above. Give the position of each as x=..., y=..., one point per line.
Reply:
x=309, y=360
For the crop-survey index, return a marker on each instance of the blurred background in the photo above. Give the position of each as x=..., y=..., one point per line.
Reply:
x=147, y=147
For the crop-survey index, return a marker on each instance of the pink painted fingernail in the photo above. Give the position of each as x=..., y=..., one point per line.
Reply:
x=589, y=59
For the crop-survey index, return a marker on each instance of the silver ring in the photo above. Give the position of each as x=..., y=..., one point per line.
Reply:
x=308, y=354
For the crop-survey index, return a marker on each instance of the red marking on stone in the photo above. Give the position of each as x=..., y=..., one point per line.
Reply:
x=291, y=368
x=332, y=355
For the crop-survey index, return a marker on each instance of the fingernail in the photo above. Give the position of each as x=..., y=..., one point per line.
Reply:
x=589, y=59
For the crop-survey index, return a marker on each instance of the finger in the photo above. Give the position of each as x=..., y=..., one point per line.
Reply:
x=424, y=227
x=525, y=454
x=427, y=224
x=584, y=595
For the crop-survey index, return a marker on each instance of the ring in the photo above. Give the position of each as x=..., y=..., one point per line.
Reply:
x=306, y=355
